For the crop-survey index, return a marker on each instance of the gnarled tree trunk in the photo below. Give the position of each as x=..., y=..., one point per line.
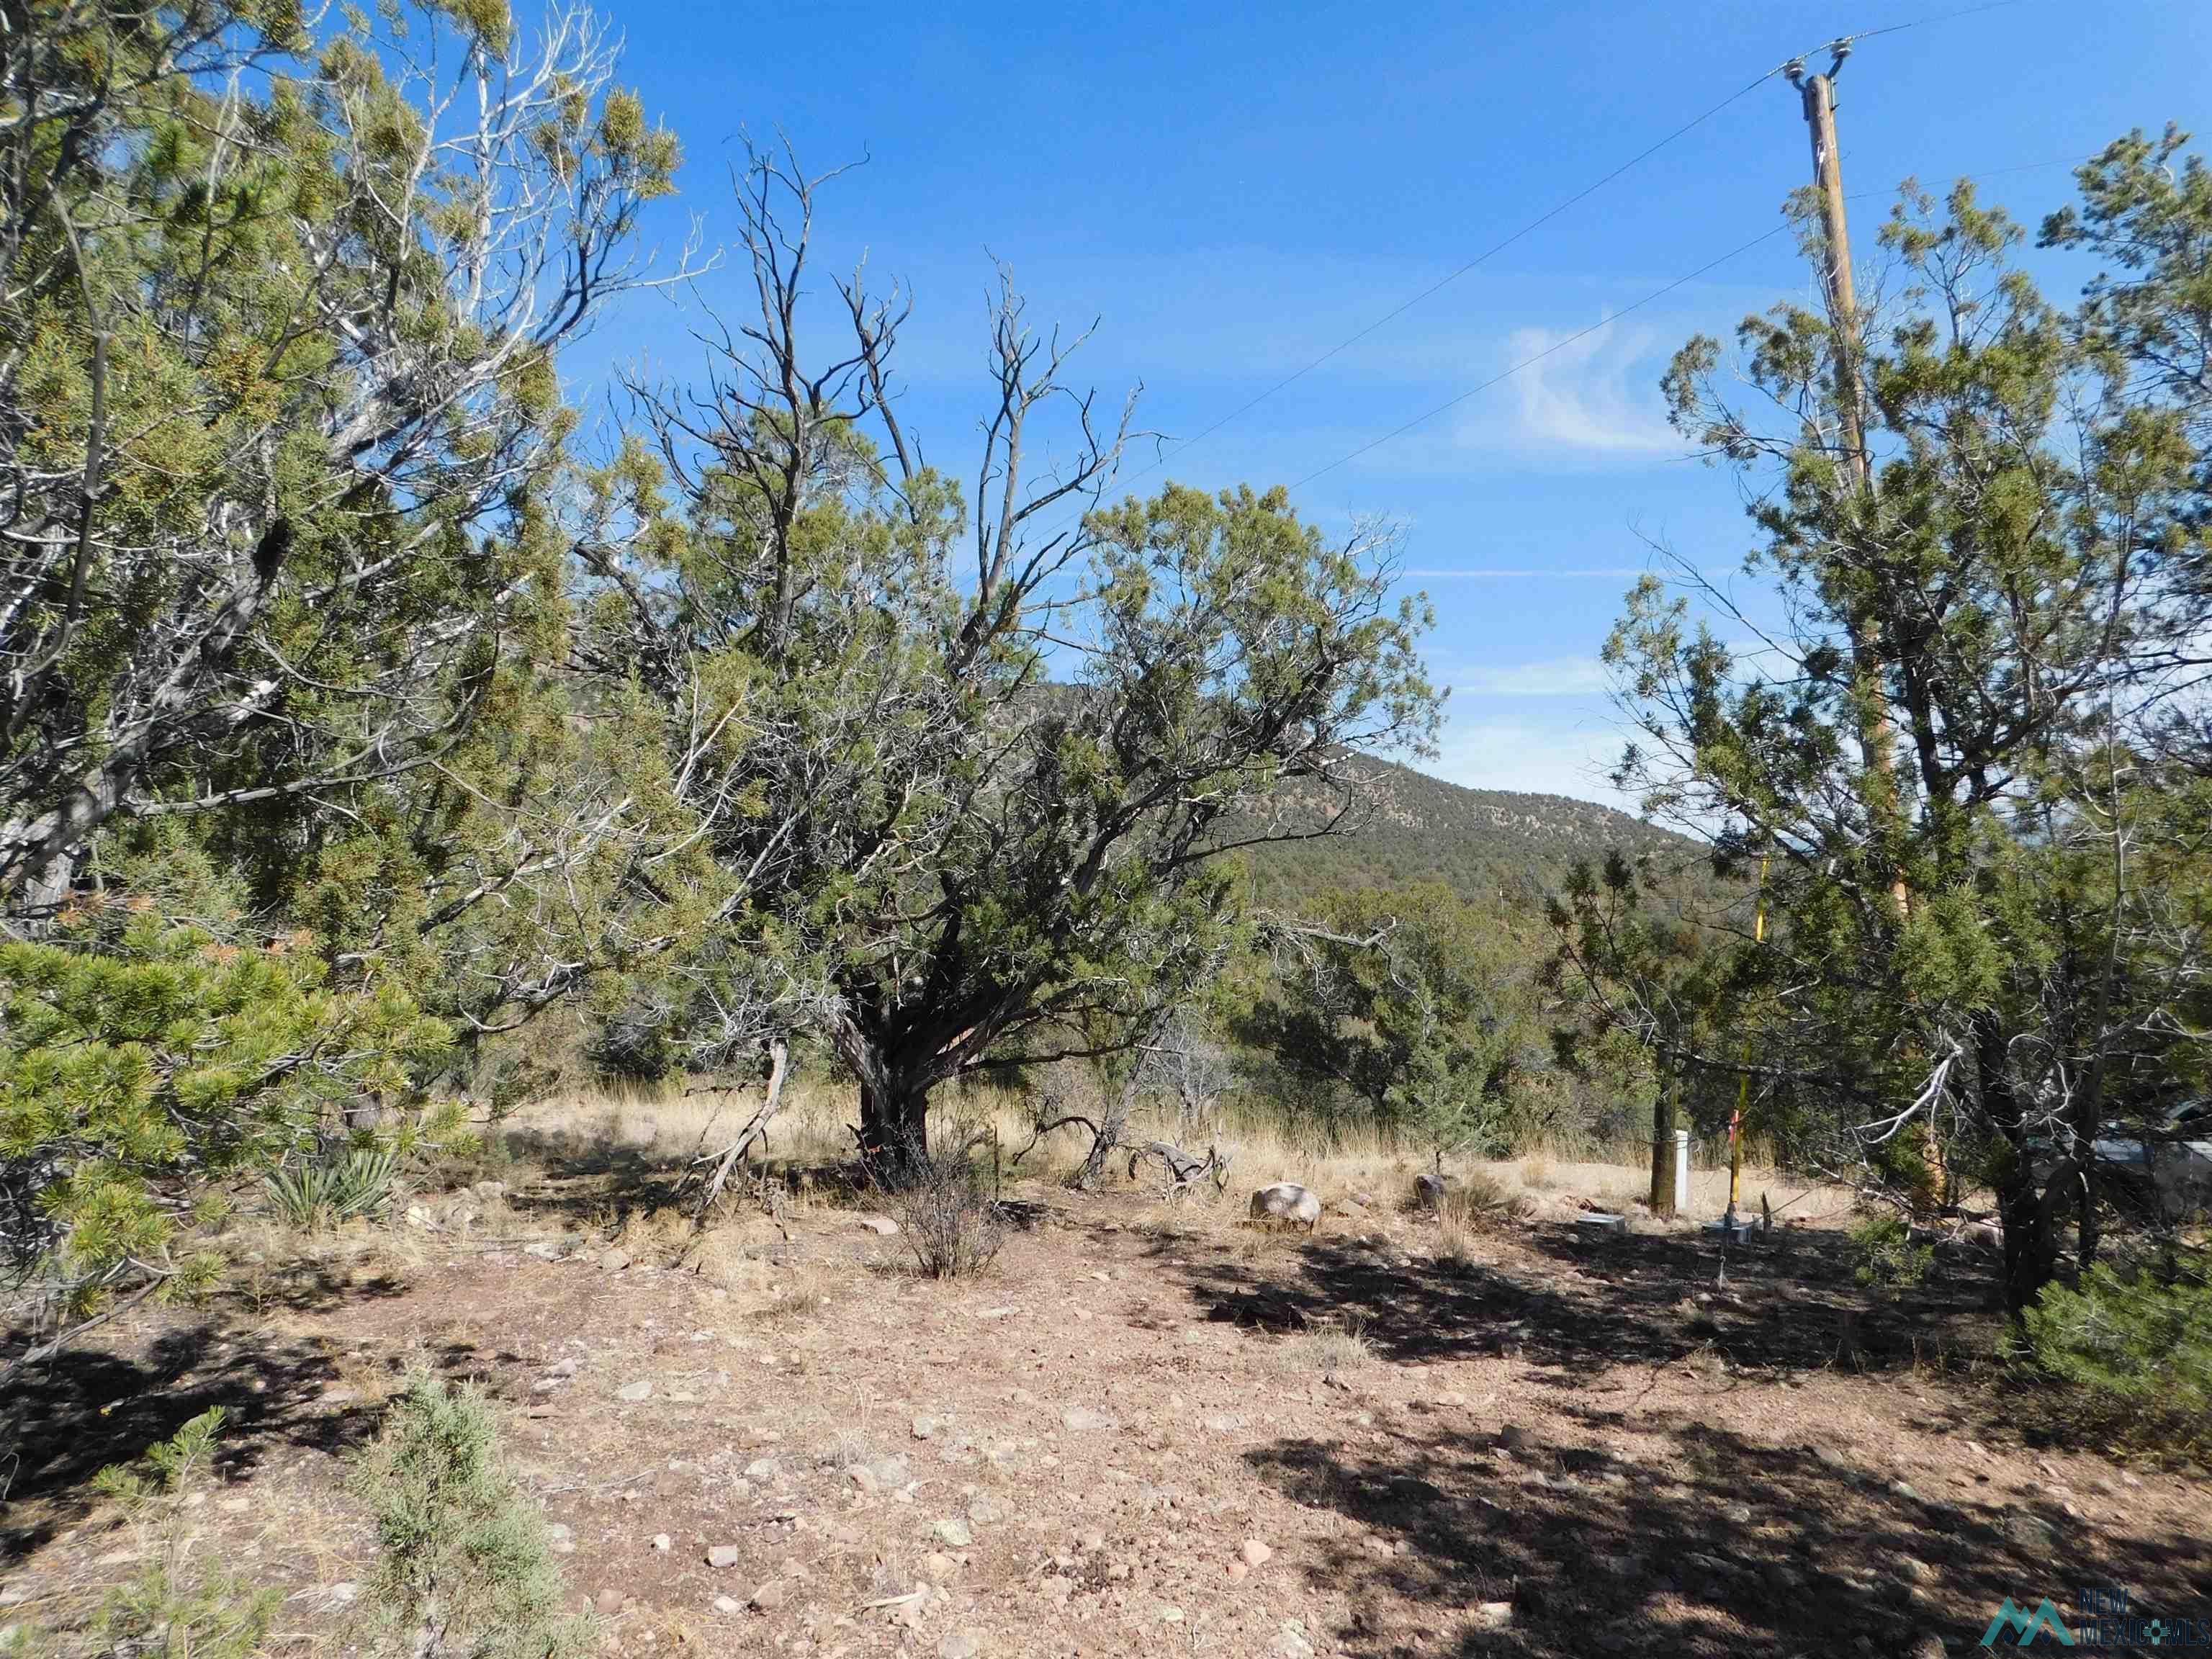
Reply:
x=2025, y=1204
x=894, y=1129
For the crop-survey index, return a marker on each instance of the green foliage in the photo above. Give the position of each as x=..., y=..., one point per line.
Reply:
x=1962, y=753
x=177, y=1607
x=932, y=856
x=1902, y=1167
x=166, y=1464
x=639, y=1034
x=316, y=279
x=1886, y=1258
x=2136, y=1341
x=191, y=1613
x=336, y=1184
x=1657, y=1006
x=141, y=1062
x=1409, y=1002
x=466, y=1567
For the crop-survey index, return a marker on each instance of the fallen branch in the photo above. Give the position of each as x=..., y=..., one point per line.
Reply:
x=755, y=1129
x=1043, y=1129
x=1183, y=1169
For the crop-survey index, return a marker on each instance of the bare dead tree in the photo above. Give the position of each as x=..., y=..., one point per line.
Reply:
x=1187, y=1065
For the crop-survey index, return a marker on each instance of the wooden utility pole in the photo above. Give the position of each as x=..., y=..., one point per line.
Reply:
x=1819, y=92
x=1877, y=736
x=1877, y=741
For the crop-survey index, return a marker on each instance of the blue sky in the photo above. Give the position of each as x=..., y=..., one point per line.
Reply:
x=1232, y=191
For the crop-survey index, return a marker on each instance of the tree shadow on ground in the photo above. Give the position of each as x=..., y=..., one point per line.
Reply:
x=306, y=1287
x=595, y=1176
x=592, y=1176
x=89, y=1408
x=1677, y=1537
x=1712, y=1545
x=1588, y=1305
x=92, y=1406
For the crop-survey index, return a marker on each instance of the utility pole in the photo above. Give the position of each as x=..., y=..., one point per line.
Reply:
x=1877, y=747
x=1877, y=736
x=1818, y=93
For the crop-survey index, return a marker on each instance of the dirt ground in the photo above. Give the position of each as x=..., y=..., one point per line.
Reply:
x=1147, y=1430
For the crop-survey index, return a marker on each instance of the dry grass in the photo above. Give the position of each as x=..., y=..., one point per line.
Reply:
x=733, y=1255
x=1473, y=1202
x=795, y=1294
x=1360, y=1174
x=1455, y=1248
x=1327, y=1352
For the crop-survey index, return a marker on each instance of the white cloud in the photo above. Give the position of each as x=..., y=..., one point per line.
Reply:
x=1559, y=677
x=1597, y=393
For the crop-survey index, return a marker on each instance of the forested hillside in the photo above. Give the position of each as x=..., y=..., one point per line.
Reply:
x=1494, y=847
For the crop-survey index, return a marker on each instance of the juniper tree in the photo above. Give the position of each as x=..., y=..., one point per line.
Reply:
x=1408, y=1001
x=282, y=580
x=280, y=421
x=984, y=793
x=1962, y=948
x=1637, y=963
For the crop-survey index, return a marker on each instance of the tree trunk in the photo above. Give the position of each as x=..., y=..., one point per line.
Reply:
x=894, y=1130
x=1663, y=1196
x=2088, y=1235
x=2031, y=1244
x=2023, y=1209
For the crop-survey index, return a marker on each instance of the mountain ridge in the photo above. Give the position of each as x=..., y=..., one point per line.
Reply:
x=1503, y=847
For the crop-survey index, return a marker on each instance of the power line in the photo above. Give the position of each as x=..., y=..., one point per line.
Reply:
x=1444, y=282
x=1941, y=17
x=1534, y=225
x=1657, y=293
x=1526, y=362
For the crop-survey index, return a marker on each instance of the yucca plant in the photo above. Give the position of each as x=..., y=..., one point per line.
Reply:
x=335, y=1186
